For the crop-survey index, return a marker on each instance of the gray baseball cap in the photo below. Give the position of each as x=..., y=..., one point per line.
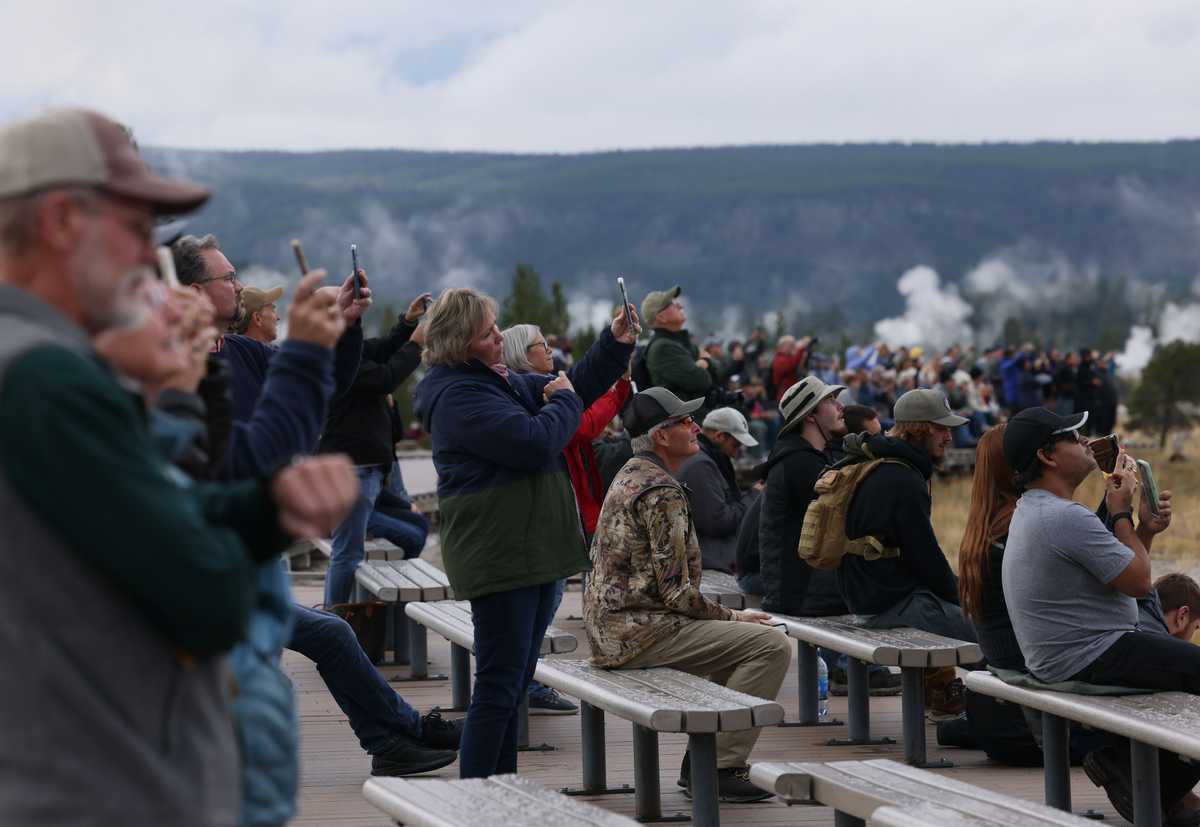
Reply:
x=927, y=405
x=656, y=301
x=75, y=147
x=655, y=406
x=730, y=421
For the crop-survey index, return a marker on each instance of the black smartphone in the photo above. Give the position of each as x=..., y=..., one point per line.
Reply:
x=354, y=267
x=625, y=302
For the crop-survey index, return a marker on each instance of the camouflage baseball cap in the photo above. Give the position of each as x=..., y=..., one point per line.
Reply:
x=656, y=301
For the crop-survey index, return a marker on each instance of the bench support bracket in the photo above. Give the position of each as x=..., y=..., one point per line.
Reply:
x=1147, y=804
x=705, y=810
x=913, y=706
x=858, y=699
x=595, y=764
x=806, y=674
x=1056, y=747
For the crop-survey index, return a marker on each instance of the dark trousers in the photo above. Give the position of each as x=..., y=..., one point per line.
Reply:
x=509, y=627
x=378, y=715
x=1149, y=660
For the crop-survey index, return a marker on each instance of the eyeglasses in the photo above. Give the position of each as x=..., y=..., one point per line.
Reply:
x=543, y=345
x=1066, y=436
x=231, y=278
x=687, y=420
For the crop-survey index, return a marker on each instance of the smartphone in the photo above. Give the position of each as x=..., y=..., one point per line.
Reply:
x=1105, y=449
x=354, y=267
x=1149, y=486
x=428, y=301
x=166, y=266
x=300, y=259
x=625, y=302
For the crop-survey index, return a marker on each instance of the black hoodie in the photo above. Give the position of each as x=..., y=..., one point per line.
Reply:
x=894, y=503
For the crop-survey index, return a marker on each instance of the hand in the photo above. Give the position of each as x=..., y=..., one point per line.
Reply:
x=1121, y=486
x=558, y=383
x=418, y=335
x=621, y=330
x=417, y=309
x=313, y=315
x=759, y=485
x=748, y=616
x=314, y=495
x=353, y=309
x=702, y=363
x=1147, y=520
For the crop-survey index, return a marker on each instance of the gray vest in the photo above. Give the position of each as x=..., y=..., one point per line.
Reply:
x=101, y=721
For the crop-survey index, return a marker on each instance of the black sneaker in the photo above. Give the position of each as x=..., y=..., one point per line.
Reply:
x=439, y=732
x=734, y=787
x=411, y=757
x=1107, y=772
x=545, y=701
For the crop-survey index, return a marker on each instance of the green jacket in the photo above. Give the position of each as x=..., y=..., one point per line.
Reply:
x=671, y=360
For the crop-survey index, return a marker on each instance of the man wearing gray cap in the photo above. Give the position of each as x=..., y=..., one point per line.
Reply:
x=672, y=361
x=121, y=586
x=643, y=606
x=911, y=583
x=718, y=502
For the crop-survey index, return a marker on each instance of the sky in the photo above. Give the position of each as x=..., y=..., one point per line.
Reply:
x=527, y=76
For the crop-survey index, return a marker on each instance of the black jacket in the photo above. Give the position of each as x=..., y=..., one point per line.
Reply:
x=787, y=580
x=894, y=504
x=359, y=422
x=718, y=504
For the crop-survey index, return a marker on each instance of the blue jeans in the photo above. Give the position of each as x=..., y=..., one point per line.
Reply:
x=348, y=537
x=406, y=529
x=377, y=713
x=509, y=627
x=535, y=686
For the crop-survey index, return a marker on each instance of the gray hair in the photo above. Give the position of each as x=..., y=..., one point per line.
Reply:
x=189, y=259
x=517, y=340
x=642, y=443
x=454, y=322
x=18, y=217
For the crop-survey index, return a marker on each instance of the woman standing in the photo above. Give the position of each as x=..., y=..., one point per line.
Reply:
x=510, y=526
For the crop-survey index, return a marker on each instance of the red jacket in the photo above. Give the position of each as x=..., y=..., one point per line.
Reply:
x=581, y=460
x=785, y=371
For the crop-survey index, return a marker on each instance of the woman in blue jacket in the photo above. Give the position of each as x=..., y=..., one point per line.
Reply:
x=510, y=526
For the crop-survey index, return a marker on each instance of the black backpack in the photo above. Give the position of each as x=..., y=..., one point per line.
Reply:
x=640, y=374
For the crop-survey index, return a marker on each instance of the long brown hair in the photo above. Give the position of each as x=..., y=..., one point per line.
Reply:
x=993, y=499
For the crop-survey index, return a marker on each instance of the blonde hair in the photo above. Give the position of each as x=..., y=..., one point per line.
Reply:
x=914, y=433
x=453, y=323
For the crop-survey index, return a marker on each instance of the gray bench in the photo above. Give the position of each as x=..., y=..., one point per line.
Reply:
x=910, y=649
x=721, y=587
x=452, y=620
x=656, y=700
x=399, y=582
x=1162, y=720
x=856, y=790
x=501, y=799
x=299, y=555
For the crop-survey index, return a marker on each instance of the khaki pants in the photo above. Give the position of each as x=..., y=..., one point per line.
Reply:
x=743, y=656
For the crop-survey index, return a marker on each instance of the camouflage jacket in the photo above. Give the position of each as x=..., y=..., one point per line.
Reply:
x=645, y=580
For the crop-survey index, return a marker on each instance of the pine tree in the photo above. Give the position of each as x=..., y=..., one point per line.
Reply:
x=1168, y=394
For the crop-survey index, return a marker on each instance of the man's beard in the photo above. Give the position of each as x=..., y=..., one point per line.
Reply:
x=239, y=313
x=107, y=306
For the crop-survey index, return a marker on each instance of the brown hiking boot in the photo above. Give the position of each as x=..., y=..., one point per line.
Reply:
x=945, y=701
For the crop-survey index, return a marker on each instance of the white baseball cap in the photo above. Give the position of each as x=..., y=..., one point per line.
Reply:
x=730, y=421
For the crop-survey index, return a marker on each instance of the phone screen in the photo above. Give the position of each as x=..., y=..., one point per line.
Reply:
x=1149, y=486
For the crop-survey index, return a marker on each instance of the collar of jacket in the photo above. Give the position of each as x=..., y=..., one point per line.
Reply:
x=682, y=336
x=858, y=449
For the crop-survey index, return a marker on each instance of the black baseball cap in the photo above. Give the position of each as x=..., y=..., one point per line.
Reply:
x=1030, y=430
x=654, y=406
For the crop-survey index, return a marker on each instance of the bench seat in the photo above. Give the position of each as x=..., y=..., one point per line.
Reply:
x=398, y=582
x=501, y=799
x=722, y=587
x=656, y=700
x=857, y=789
x=912, y=650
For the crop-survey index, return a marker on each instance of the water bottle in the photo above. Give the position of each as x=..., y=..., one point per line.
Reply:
x=822, y=688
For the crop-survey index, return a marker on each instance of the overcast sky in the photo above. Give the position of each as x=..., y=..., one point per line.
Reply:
x=518, y=75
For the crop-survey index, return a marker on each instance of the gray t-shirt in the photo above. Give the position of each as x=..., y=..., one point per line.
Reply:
x=1058, y=562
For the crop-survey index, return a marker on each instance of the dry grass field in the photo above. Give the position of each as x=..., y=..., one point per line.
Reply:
x=1178, y=548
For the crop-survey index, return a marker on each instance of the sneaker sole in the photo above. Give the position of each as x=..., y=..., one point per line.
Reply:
x=539, y=710
x=397, y=770
x=734, y=799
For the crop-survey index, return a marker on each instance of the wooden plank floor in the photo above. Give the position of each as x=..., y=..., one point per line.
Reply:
x=333, y=766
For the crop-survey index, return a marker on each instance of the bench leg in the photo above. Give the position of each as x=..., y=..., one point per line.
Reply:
x=523, y=729
x=705, y=809
x=460, y=677
x=1147, y=803
x=806, y=678
x=647, y=796
x=418, y=649
x=399, y=628
x=841, y=819
x=1056, y=748
x=595, y=762
x=913, y=706
x=858, y=697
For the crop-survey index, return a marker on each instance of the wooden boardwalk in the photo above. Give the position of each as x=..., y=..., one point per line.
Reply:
x=333, y=766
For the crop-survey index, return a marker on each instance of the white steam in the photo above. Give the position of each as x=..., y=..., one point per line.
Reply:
x=934, y=317
x=1178, y=322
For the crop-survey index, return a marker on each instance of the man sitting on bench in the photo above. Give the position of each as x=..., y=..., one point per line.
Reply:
x=1071, y=587
x=1172, y=607
x=643, y=607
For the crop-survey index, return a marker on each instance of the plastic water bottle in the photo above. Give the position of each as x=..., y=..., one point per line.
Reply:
x=822, y=688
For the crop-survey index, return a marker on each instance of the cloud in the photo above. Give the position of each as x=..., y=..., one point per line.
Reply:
x=527, y=75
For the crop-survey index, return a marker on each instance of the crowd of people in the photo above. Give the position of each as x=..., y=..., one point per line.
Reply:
x=159, y=449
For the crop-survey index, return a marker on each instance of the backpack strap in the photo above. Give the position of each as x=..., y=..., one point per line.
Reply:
x=870, y=547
